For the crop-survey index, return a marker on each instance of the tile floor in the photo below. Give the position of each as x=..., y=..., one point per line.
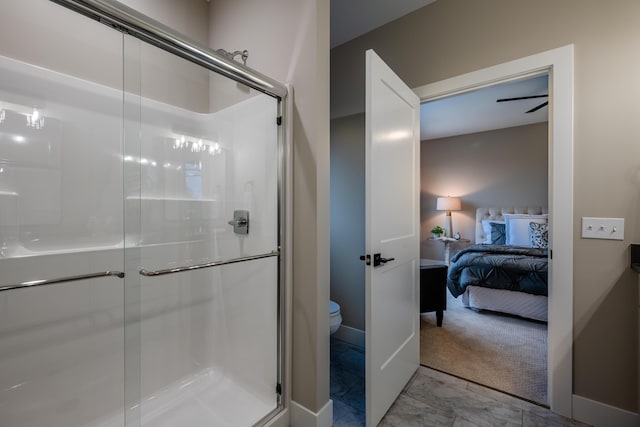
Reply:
x=431, y=398
x=347, y=384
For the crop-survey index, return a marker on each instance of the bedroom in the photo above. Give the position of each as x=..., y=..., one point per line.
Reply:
x=500, y=158
x=490, y=155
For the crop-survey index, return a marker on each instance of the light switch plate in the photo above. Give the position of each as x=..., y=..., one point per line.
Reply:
x=603, y=228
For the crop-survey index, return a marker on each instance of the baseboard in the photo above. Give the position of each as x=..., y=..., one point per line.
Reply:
x=600, y=414
x=351, y=335
x=302, y=417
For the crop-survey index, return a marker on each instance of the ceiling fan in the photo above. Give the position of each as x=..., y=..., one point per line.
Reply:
x=544, y=104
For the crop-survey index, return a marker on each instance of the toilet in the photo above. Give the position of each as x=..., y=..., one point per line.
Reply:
x=335, y=318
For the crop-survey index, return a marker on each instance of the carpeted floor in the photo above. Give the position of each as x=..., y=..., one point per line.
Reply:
x=499, y=351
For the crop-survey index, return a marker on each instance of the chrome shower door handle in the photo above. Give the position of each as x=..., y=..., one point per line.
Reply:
x=240, y=222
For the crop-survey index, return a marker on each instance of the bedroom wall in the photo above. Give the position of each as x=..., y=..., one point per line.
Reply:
x=453, y=37
x=505, y=167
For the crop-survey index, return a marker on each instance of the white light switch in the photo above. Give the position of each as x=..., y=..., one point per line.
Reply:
x=603, y=228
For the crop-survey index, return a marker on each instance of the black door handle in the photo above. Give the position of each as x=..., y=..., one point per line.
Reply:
x=378, y=260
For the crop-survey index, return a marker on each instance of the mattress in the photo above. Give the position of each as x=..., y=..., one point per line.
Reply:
x=511, y=302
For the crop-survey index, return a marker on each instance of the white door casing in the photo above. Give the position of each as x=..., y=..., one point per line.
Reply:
x=392, y=135
x=558, y=63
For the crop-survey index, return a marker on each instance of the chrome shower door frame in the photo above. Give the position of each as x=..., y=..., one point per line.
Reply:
x=132, y=23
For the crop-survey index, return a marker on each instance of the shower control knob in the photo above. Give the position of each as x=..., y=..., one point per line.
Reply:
x=240, y=222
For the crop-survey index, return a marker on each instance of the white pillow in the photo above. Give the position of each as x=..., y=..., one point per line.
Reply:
x=486, y=229
x=517, y=227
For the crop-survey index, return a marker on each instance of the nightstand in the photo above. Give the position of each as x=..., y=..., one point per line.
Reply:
x=433, y=288
x=447, y=242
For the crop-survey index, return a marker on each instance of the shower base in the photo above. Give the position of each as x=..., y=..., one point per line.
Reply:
x=208, y=398
x=205, y=399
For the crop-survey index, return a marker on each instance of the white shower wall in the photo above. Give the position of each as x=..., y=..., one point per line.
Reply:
x=61, y=346
x=207, y=338
x=214, y=330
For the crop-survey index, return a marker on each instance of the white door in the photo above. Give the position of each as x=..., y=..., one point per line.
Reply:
x=392, y=234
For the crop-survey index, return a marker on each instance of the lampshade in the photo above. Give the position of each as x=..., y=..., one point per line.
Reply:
x=448, y=204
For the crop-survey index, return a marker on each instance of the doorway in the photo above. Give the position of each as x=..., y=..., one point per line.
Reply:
x=559, y=64
x=493, y=156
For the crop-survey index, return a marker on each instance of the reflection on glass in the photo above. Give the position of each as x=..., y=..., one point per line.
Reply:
x=206, y=156
x=193, y=179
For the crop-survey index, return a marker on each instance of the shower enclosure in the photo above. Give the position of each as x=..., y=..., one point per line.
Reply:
x=141, y=229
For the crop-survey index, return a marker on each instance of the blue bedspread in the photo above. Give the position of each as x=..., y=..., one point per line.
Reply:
x=514, y=268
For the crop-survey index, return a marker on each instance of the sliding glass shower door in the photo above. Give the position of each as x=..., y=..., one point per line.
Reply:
x=61, y=222
x=140, y=232
x=201, y=214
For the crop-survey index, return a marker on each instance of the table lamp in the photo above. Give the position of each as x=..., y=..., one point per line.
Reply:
x=448, y=204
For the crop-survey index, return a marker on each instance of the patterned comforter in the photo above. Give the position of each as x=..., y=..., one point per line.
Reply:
x=513, y=268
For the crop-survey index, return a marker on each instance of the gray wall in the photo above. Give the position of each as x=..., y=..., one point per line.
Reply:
x=506, y=167
x=452, y=37
x=347, y=218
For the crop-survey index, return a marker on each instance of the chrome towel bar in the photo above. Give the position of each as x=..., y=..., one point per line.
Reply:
x=154, y=273
x=44, y=282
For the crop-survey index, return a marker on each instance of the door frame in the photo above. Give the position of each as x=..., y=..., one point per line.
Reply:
x=558, y=64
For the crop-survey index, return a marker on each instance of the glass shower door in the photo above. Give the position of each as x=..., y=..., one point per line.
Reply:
x=201, y=214
x=126, y=296
x=61, y=223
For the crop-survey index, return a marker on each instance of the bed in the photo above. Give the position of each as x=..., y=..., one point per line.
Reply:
x=506, y=270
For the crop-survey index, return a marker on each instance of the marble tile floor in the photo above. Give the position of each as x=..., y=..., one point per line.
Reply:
x=347, y=384
x=431, y=398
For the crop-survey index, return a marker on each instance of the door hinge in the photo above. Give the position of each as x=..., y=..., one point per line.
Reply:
x=279, y=120
x=279, y=388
